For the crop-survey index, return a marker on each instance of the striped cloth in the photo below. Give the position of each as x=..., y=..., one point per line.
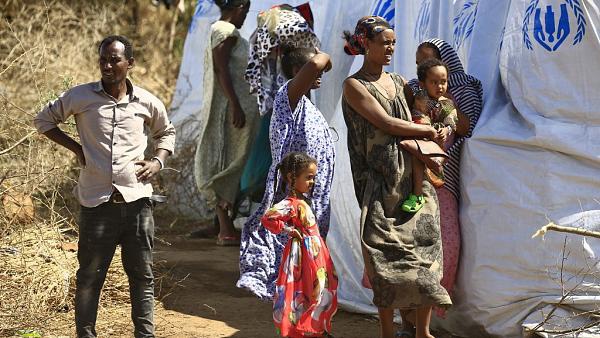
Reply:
x=468, y=94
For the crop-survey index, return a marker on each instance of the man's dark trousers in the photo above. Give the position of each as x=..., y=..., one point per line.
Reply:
x=101, y=229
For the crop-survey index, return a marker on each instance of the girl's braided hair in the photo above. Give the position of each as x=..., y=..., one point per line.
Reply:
x=293, y=163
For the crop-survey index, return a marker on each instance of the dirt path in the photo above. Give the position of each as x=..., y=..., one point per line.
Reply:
x=206, y=302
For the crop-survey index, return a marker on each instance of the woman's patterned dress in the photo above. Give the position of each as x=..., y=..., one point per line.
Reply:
x=304, y=129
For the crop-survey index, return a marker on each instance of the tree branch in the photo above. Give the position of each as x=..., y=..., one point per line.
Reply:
x=2, y=152
x=577, y=231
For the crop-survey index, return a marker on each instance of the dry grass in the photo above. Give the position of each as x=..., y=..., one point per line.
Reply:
x=45, y=48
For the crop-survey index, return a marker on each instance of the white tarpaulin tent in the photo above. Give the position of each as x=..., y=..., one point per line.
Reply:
x=533, y=156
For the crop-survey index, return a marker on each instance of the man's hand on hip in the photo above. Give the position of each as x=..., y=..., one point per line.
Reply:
x=148, y=170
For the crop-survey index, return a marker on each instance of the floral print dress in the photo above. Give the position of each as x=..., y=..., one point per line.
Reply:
x=306, y=289
x=402, y=251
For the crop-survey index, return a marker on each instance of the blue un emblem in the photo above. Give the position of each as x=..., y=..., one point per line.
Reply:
x=553, y=24
x=385, y=9
x=464, y=22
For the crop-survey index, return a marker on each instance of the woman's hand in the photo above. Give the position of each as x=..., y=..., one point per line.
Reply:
x=442, y=136
x=431, y=132
x=238, y=117
x=328, y=65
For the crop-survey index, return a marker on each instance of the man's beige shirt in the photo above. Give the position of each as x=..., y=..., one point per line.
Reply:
x=114, y=135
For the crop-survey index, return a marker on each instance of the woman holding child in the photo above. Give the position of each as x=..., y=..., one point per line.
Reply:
x=402, y=251
x=466, y=91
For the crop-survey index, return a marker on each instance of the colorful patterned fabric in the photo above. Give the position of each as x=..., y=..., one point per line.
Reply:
x=367, y=26
x=306, y=293
x=276, y=26
x=439, y=114
x=303, y=129
x=402, y=251
x=450, y=228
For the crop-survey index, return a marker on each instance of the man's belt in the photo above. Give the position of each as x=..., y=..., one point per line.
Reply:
x=116, y=197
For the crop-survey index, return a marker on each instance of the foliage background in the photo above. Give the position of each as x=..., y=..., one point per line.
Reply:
x=45, y=48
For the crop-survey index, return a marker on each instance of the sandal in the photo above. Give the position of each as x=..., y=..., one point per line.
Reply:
x=413, y=203
x=228, y=240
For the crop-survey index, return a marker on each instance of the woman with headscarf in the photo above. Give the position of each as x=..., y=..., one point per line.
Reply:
x=402, y=251
x=277, y=26
x=280, y=29
x=231, y=117
x=467, y=93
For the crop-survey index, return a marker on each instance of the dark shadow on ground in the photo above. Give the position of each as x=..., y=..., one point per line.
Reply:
x=201, y=283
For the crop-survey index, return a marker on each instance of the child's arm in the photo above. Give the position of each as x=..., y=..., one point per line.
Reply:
x=448, y=126
x=463, y=123
x=277, y=217
x=306, y=76
x=451, y=120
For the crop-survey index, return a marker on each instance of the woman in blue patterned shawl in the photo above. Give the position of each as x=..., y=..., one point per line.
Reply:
x=296, y=125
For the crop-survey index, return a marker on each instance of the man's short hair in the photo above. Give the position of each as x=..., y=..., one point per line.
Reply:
x=110, y=39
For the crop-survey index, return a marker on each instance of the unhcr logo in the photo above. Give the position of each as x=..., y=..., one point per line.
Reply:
x=552, y=24
x=385, y=9
x=422, y=25
x=464, y=22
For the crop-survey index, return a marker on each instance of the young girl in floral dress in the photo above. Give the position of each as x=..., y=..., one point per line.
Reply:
x=306, y=288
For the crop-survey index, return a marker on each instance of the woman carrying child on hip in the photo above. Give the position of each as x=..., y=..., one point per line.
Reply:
x=432, y=108
x=306, y=288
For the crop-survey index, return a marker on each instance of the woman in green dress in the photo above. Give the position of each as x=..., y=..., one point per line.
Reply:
x=231, y=118
x=402, y=251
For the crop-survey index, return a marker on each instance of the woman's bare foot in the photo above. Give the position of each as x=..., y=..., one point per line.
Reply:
x=227, y=235
x=427, y=335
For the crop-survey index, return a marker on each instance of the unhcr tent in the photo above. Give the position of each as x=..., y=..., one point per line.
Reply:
x=533, y=157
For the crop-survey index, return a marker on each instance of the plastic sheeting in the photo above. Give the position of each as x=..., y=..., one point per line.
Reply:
x=185, y=114
x=532, y=159
x=533, y=156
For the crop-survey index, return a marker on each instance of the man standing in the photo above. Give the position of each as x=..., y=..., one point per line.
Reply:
x=114, y=119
